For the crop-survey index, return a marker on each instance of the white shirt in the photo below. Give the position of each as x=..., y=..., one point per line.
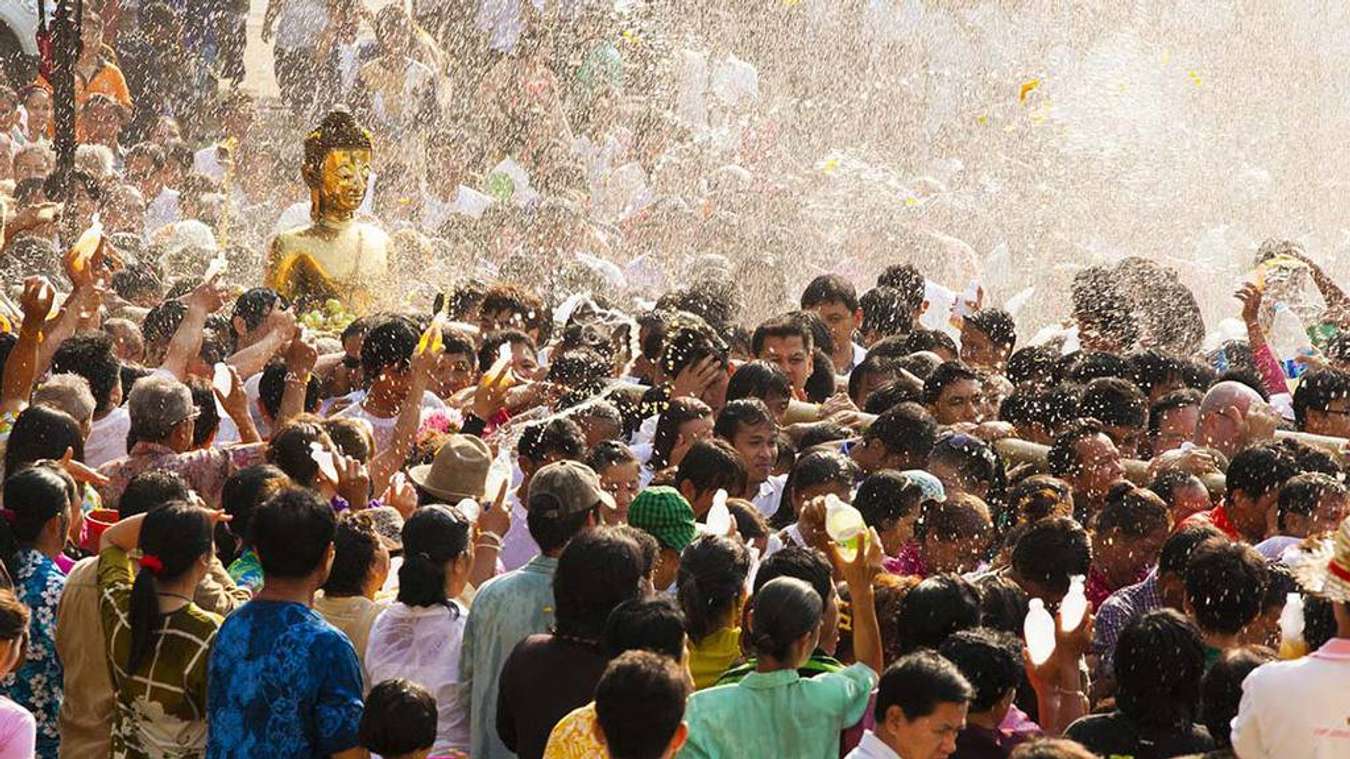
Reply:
x=382, y=427
x=107, y=438
x=871, y=747
x=422, y=644
x=467, y=202
x=770, y=494
x=162, y=211
x=1297, y=709
x=518, y=545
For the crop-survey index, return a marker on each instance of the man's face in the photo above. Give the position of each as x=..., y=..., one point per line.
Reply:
x=1126, y=438
x=791, y=355
x=9, y=114
x=455, y=371
x=29, y=165
x=38, y=104
x=1252, y=514
x=978, y=350
x=841, y=321
x=930, y=737
x=1174, y=428
x=1334, y=421
x=958, y=402
x=758, y=446
x=1099, y=465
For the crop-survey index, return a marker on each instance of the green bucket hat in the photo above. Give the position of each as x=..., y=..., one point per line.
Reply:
x=664, y=514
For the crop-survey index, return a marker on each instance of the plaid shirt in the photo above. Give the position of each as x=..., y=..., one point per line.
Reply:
x=161, y=707
x=205, y=470
x=1119, y=609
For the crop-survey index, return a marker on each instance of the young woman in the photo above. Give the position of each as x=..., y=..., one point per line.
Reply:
x=158, y=640
x=360, y=567
x=684, y=422
x=418, y=638
x=33, y=530
x=243, y=492
x=711, y=590
x=18, y=731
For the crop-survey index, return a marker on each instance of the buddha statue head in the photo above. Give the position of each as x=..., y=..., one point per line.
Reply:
x=336, y=166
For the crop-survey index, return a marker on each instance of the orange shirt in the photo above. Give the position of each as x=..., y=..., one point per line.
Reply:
x=107, y=80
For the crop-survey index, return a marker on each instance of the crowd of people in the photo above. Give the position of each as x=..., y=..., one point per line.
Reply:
x=572, y=483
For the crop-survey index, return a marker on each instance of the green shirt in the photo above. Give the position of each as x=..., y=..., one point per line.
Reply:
x=777, y=714
x=819, y=663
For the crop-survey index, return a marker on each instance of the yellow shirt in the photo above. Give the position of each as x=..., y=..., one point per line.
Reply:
x=713, y=655
x=574, y=736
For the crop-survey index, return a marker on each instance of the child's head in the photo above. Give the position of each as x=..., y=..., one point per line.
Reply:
x=399, y=721
x=955, y=534
x=639, y=706
x=1182, y=491
x=13, y=630
x=890, y=502
x=618, y=470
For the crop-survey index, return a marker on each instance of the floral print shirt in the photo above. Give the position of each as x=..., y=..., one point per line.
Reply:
x=36, y=684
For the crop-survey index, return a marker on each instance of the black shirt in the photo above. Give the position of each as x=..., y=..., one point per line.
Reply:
x=1115, y=734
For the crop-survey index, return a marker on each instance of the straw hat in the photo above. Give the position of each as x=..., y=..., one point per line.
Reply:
x=459, y=471
x=1322, y=566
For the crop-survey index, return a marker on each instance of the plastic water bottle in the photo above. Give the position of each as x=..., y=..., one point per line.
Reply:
x=1289, y=339
x=1039, y=630
x=845, y=525
x=1074, y=606
x=1291, y=626
x=718, y=519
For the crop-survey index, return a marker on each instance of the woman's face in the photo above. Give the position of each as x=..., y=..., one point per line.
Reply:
x=899, y=533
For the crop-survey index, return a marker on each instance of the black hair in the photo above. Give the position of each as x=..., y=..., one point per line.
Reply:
x=208, y=418
x=136, y=282
x=639, y=704
x=254, y=305
x=289, y=449
x=917, y=683
x=1317, y=390
x=1260, y=469
x=1151, y=367
x=399, y=718
x=1225, y=585
x=1051, y=551
x=1003, y=603
x=784, y=609
x=272, y=387
x=1221, y=689
x=1177, y=399
x=1035, y=364
x=389, y=344
x=946, y=373
x=1160, y=658
x=711, y=577
x=888, y=396
x=687, y=341
x=177, y=535
x=653, y=624
x=33, y=496
x=246, y=490
x=1168, y=481
x=905, y=428
x=560, y=436
x=91, y=355
x=806, y=564
x=758, y=379
x=935, y=608
x=433, y=536
x=150, y=490
x=1062, y=458
x=746, y=412
x=42, y=432
x=865, y=369
x=1176, y=551
x=885, y=312
x=996, y=324
x=355, y=544
x=885, y=497
x=929, y=340
x=816, y=434
x=578, y=367
x=990, y=660
x=1115, y=402
x=784, y=326
x=1085, y=366
x=598, y=569
x=711, y=464
x=1132, y=511
x=351, y=437
x=676, y=413
x=291, y=533
x=1034, y=498
x=820, y=383
x=161, y=322
x=608, y=453
x=1303, y=493
x=908, y=280
x=974, y=460
x=830, y=288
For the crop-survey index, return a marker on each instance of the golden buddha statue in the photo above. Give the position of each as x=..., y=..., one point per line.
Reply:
x=335, y=256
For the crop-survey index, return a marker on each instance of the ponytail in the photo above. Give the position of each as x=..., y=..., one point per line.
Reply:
x=712, y=576
x=173, y=538
x=32, y=496
x=785, y=609
x=433, y=536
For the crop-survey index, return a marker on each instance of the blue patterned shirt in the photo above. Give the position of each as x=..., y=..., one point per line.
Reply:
x=1119, y=609
x=36, y=684
x=283, y=683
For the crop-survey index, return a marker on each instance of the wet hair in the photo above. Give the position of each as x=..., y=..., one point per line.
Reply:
x=830, y=288
x=1221, y=689
x=177, y=535
x=1051, y=551
x=433, y=536
x=1168, y=481
x=747, y=412
x=1003, y=603
x=390, y=344
x=608, y=453
x=493, y=342
x=782, y=327
x=350, y=436
x=885, y=312
x=646, y=624
x=355, y=544
x=291, y=533
x=943, y=376
x=974, y=461
x=150, y=490
x=34, y=495
x=598, y=569
x=246, y=490
x=996, y=324
x=208, y=419
x=1173, y=401
x=1317, y=390
x=908, y=280
x=1152, y=367
x=820, y=383
x=1036, y=364
x=929, y=340
x=1225, y=585
x=1035, y=497
x=905, y=428
x=1133, y=512
x=679, y=411
x=560, y=436
x=272, y=388
x=888, y=396
x=811, y=470
x=1160, y=658
x=712, y=464
x=934, y=609
x=91, y=355
x=1085, y=366
x=758, y=379
x=990, y=660
x=254, y=305
x=885, y=497
x=1176, y=551
x=1062, y=458
x=885, y=366
x=42, y=432
x=639, y=704
x=399, y=719
x=136, y=282
x=785, y=609
x=711, y=577
x=289, y=449
x=1303, y=493
x=1260, y=469
x=918, y=683
x=1114, y=402
x=806, y=564
x=816, y=434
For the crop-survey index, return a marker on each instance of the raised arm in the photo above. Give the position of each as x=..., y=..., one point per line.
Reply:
x=187, y=339
x=21, y=366
x=390, y=460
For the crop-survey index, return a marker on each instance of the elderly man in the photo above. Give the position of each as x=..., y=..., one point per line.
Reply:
x=162, y=422
x=1232, y=417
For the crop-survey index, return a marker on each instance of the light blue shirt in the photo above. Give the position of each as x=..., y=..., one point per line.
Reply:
x=505, y=611
x=872, y=747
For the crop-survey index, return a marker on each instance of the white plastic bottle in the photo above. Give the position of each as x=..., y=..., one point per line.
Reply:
x=1074, y=606
x=1039, y=630
x=718, y=519
x=845, y=525
x=1289, y=340
x=1291, y=626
